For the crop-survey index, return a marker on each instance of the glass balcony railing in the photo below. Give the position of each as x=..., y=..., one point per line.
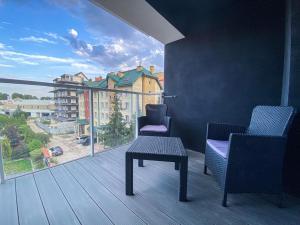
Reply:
x=44, y=131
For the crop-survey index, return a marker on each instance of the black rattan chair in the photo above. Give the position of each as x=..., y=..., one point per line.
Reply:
x=155, y=123
x=250, y=160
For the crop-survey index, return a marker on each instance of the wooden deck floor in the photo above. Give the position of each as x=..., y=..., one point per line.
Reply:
x=91, y=191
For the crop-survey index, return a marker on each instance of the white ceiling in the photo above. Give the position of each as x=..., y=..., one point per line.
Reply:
x=141, y=15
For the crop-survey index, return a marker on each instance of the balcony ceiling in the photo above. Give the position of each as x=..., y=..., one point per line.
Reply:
x=139, y=14
x=201, y=15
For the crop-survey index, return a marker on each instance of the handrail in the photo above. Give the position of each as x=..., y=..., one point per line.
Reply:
x=2, y=176
x=47, y=84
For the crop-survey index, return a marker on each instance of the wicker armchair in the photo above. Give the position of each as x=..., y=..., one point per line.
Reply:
x=250, y=160
x=155, y=123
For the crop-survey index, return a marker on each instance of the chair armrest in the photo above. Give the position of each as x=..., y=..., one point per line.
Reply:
x=220, y=131
x=167, y=122
x=256, y=162
x=142, y=121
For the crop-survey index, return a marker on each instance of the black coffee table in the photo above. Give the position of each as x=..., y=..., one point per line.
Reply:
x=169, y=149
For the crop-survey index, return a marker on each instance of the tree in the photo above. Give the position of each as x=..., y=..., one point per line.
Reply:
x=19, y=114
x=3, y=96
x=11, y=132
x=117, y=132
x=6, y=148
x=34, y=144
x=18, y=95
x=46, y=98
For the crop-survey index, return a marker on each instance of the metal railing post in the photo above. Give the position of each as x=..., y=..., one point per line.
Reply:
x=137, y=114
x=92, y=131
x=1, y=165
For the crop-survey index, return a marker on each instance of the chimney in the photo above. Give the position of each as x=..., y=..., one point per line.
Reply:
x=152, y=69
x=120, y=74
x=139, y=68
x=98, y=78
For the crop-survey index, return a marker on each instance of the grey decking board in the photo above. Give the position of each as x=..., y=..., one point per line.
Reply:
x=85, y=208
x=249, y=207
x=149, y=202
x=8, y=205
x=30, y=208
x=56, y=206
x=159, y=195
x=149, y=213
x=250, y=212
x=168, y=191
x=112, y=206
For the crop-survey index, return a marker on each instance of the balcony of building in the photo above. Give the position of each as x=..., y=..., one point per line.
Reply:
x=222, y=58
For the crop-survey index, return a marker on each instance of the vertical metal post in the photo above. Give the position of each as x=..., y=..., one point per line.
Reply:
x=92, y=130
x=1, y=165
x=161, y=98
x=137, y=114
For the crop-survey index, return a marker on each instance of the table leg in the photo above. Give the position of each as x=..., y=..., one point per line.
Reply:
x=141, y=163
x=176, y=165
x=129, y=174
x=183, y=179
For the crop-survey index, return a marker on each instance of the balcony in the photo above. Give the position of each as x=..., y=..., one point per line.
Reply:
x=91, y=190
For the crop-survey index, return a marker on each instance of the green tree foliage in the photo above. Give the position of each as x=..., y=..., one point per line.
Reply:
x=19, y=114
x=117, y=131
x=3, y=96
x=34, y=144
x=11, y=132
x=6, y=148
x=22, y=139
x=18, y=95
x=46, y=98
x=20, y=151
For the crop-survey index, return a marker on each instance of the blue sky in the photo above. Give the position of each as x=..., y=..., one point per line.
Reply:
x=42, y=39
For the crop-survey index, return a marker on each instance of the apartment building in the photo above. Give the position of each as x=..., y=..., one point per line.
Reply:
x=136, y=80
x=66, y=99
x=33, y=107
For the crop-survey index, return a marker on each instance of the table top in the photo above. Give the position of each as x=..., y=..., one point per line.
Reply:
x=158, y=146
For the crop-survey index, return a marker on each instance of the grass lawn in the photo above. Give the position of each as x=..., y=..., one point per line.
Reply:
x=17, y=166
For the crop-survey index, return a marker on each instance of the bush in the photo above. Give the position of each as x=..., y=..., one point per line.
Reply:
x=46, y=122
x=35, y=144
x=20, y=151
x=6, y=148
x=44, y=138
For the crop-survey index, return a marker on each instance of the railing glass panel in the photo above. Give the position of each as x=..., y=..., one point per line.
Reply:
x=41, y=126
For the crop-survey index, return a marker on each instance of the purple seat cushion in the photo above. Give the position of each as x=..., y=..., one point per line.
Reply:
x=154, y=128
x=220, y=147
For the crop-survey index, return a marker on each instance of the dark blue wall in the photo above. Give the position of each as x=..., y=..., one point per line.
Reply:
x=291, y=94
x=230, y=61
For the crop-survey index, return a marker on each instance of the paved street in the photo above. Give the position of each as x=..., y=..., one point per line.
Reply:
x=68, y=143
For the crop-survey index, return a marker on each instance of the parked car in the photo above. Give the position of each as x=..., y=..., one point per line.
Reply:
x=86, y=141
x=56, y=151
x=81, y=139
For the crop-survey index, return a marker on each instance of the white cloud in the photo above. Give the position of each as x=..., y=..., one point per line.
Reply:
x=37, y=40
x=55, y=36
x=73, y=33
x=6, y=65
x=31, y=57
x=87, y=68
x=2, y=46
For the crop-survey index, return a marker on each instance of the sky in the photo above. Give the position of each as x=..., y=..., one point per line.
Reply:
x=42, y=39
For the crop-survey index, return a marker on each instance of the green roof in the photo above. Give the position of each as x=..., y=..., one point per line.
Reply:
x=127, y=79
x=97, y=84
x=82, y=121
